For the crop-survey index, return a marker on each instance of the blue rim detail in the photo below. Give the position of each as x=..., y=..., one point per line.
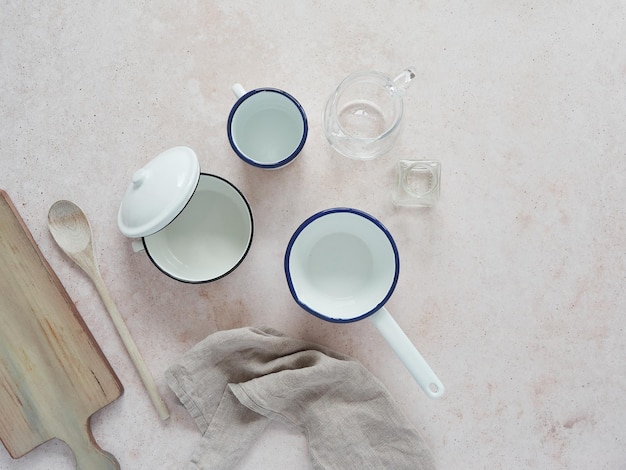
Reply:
x=204, y=281
x=284, y=161
x=313, y=218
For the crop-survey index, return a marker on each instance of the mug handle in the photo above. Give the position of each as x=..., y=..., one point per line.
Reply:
x=408, y=353
x=238, y=90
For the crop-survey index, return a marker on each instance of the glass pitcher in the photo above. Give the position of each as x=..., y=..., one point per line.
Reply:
x=362, y=118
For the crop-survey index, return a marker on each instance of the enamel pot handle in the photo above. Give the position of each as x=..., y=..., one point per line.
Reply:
x=408, y=353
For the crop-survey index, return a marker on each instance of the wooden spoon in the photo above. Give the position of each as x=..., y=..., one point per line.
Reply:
x=70, y=228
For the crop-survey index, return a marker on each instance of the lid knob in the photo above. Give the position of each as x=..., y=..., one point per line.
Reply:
x=139, y=177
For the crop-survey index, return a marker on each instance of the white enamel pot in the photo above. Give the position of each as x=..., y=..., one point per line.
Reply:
x=195, y=227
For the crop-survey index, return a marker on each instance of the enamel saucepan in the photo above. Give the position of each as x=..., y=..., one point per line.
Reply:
x=342, y=265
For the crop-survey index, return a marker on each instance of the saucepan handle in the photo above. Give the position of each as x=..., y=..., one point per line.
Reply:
x=408, y=353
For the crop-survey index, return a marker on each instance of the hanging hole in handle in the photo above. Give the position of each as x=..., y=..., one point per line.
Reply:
x=434, y=388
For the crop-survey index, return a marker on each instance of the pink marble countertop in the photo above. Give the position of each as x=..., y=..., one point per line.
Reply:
x=512, y=286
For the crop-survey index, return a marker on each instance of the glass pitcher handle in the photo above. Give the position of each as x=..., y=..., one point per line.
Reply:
x=404, y=80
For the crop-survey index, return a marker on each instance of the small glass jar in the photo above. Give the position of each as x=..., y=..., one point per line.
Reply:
x=418, y=183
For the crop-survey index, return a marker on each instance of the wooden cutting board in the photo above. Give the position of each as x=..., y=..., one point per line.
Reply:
x=53, y=375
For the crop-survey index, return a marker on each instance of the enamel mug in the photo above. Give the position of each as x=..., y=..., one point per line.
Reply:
x=267, y=127
x=195, y=227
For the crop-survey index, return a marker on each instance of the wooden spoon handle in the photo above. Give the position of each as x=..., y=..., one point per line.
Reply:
x=131, y=347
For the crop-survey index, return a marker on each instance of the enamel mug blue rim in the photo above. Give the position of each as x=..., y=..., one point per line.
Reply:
x=284, y=161
x=312, y=219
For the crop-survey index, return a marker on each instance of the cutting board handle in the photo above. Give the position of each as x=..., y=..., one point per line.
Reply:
x=88, y=454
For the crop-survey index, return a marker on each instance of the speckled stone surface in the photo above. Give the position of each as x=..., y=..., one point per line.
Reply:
x=512, y=286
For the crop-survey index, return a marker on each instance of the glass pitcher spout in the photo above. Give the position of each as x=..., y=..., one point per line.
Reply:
x=403, y=81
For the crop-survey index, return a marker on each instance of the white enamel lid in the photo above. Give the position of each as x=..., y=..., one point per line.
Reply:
x=159, y=192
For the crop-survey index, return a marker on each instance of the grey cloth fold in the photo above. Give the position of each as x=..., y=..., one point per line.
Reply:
x=235, y=381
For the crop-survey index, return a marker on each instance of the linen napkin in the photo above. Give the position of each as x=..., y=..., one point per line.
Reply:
x=235, y=381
